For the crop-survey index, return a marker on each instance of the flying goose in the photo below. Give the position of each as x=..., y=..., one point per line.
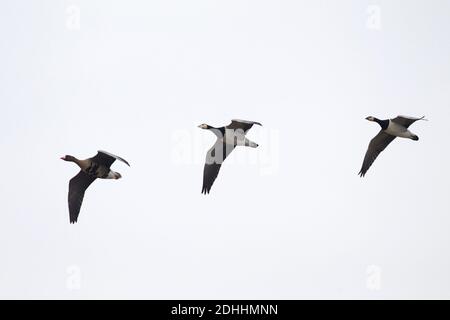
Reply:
x=390, y=129
x=91, y=169
x=228, y=138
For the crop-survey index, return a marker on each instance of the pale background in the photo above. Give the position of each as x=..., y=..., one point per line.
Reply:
x=288, y=220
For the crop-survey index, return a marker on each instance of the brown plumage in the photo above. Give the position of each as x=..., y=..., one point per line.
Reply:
x=390, y=129
x=228, y=138
x=91, y=169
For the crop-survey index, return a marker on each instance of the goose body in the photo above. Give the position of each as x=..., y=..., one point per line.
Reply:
x=97, y=167
x=390, y=129
x=400, y=131
x=228, y=138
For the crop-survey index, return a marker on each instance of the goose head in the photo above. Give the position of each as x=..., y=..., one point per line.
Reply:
x=370, y=118
x=69, y=158
x=204, y=126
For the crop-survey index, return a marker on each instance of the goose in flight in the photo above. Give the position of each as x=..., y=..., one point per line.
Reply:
x=228, y=138
x=390, y=129
x=91, y=169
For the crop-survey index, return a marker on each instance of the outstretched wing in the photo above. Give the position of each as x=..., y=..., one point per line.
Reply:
x=406, y=121
x=77, y=188
x=242, y=124
x=376, y=146
x=107, y=159
x=214, y=159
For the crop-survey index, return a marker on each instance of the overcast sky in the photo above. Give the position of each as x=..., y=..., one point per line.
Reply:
x=288, y=220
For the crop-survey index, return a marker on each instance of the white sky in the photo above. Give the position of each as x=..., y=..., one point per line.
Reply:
x=290, y=219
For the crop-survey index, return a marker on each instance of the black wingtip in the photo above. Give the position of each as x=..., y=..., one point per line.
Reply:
x=205, y=190
x=125, y=161
x=73, y=219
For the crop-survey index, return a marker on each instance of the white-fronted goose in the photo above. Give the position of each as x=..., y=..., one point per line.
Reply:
x=228, y=138
x=390, y=129
x=91, y=169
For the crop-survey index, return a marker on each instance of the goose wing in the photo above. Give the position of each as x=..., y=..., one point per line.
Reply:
x=77, y=188
x=406, y=121
x=107, y=159
x=214, y=159
x=242, y=124
x=376, y=146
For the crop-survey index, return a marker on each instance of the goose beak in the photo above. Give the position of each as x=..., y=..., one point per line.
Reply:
x=63, y=158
